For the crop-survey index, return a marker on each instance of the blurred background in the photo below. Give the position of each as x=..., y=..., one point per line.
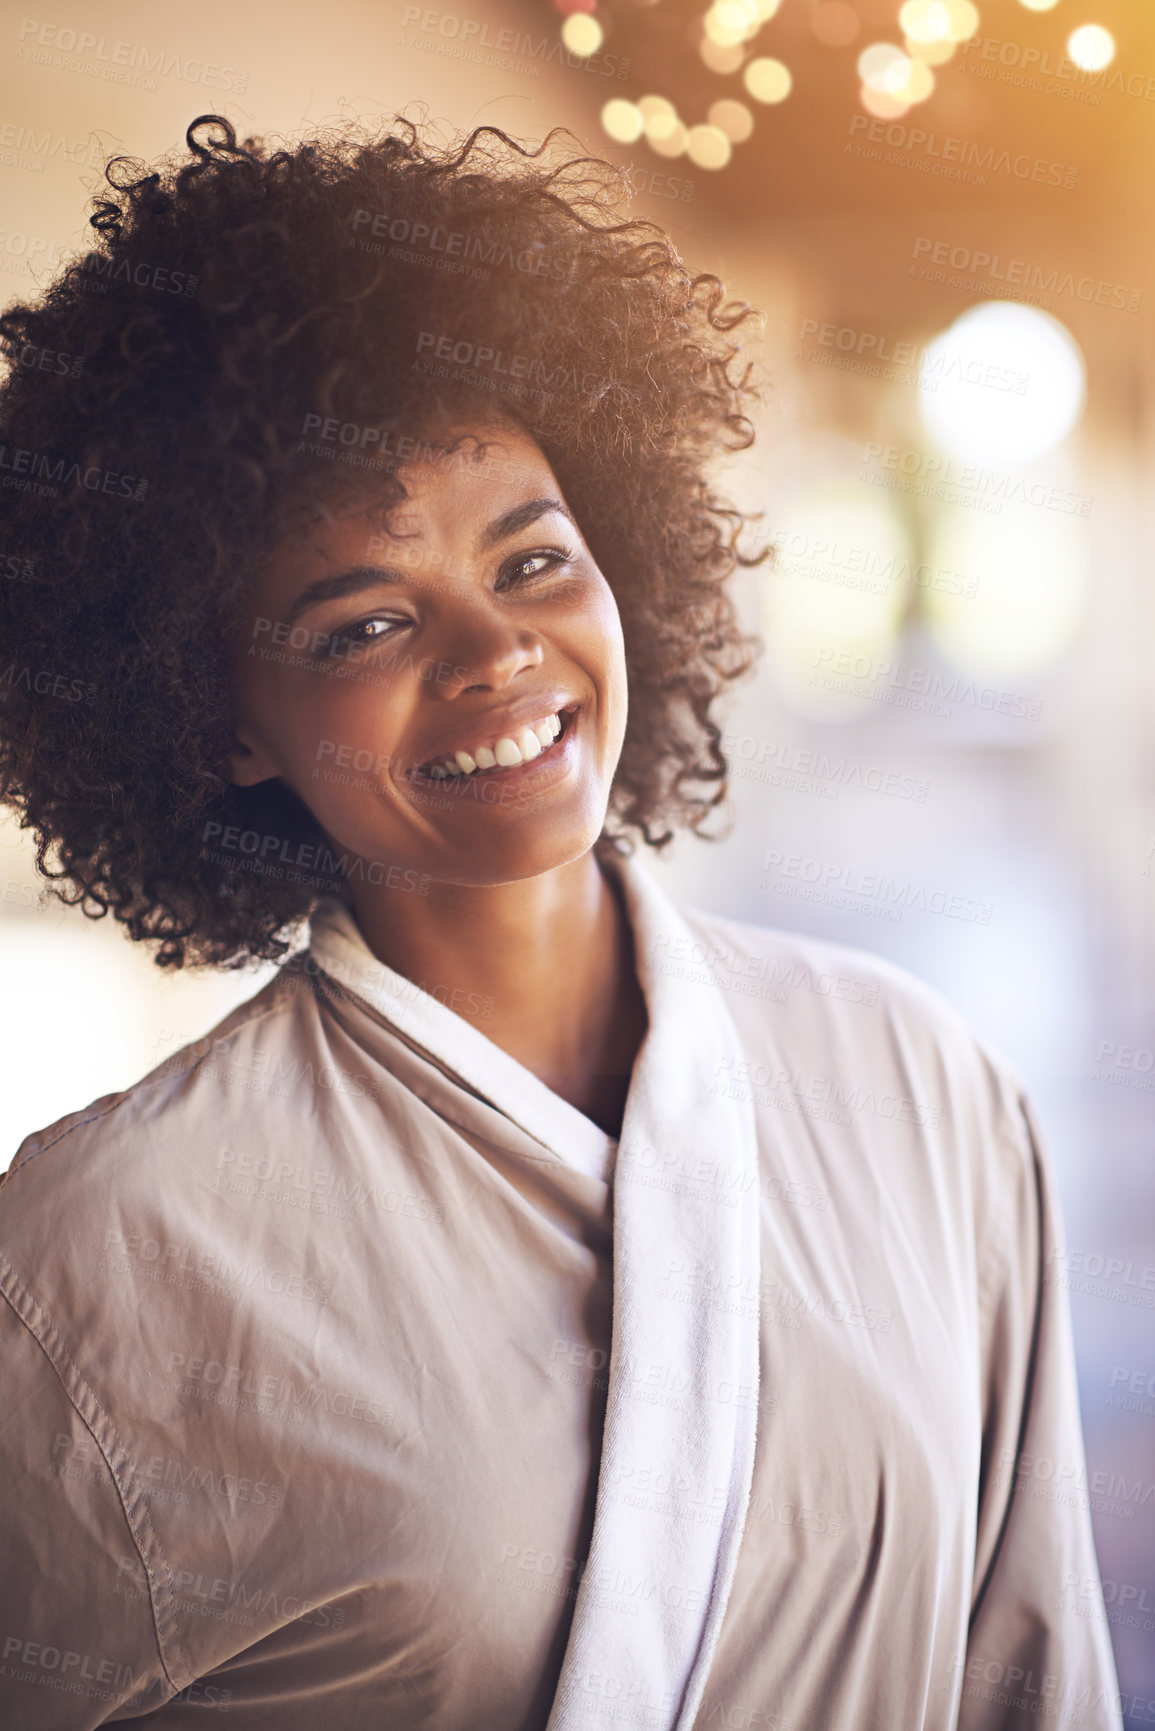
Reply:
x=944, y=211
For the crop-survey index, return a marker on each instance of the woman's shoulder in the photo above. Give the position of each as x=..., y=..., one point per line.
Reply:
x=179, y=1097
x=844, y=1006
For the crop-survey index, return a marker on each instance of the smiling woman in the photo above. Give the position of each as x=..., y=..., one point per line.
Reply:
x=450, y=1340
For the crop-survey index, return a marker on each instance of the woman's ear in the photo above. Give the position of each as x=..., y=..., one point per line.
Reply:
x=249, y=763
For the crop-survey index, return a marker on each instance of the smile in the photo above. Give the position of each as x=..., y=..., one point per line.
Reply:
x=508, y=751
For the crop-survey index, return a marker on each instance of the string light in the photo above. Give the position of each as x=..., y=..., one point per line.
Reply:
x=1091, y=47
x=582, y=34
x=884, y=68
x=768, y=80
x=623, y=121
x=732, y=118
x=708, y=147
x=720, y=57
x=672, y=143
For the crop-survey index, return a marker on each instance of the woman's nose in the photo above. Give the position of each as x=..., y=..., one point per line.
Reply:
x=486, y=651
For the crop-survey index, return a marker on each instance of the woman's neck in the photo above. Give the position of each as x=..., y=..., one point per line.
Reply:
x=544, y=967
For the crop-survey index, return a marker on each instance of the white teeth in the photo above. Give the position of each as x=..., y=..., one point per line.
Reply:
x=506, y=754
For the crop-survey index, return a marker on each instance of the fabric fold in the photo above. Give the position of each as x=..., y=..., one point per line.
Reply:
x=681, y=1420
x=678, y=1446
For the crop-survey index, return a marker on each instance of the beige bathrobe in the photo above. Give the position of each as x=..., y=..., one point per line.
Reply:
x=354, y=1381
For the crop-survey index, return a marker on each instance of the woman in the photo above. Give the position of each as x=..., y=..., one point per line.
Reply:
x=512, y=1316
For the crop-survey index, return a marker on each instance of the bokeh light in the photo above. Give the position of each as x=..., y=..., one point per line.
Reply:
x=708, y=147
x=1004, y=384
x=933, y=53
x=732, y=118
x=1091, y=47
x=721, y=58
x=884, y=68
x=1039, y=5
x=582, y=34
x=659, y=117
x=919, y=83
x=925, y=20
x=838, y=584
x=768, y=80
x=883, y=107
x=672, y=143
x=623, y=121
x=1026, y=595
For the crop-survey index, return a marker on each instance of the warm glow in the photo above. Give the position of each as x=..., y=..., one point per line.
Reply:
x=719, y=31
x=671, y=143
x=659, y=117
x=1004, y=384
x=708, y=147
x=732, y=118
x=582, y=34
x=838, y=583
x=926, y=20
x=1091, y=47
x=964, y=19
x=623, y=121
x=768, y=80
x=933, y=53
x=883, y=107
x=1030, y=589
x=721, y=58
x=884, y=68
x=1039, y=5
x=919, y=83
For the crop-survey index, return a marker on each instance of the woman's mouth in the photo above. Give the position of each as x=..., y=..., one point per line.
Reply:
x=540, y=742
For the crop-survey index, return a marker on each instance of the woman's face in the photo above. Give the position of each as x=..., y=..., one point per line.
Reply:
x=371, y=658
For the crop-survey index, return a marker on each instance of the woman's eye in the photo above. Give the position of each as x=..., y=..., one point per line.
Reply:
x=362, y=634
x=529, y=565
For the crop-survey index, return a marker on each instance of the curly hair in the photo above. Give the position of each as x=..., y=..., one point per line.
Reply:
x=151, y=437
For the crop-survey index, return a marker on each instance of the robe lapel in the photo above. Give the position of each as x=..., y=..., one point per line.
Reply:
x=678, y=1449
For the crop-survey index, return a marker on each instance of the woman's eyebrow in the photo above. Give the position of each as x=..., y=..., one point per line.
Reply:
x=344, y=583
x=520, y=517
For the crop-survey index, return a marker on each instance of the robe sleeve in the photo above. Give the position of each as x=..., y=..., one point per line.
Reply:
x=78, y=1645
x=1038, y=1648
